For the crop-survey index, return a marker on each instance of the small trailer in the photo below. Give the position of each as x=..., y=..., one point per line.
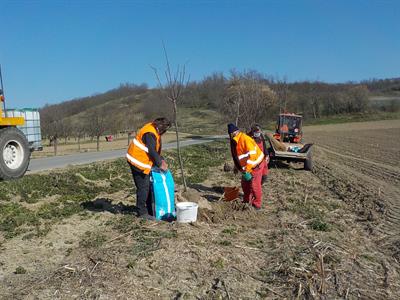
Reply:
x=292, y=153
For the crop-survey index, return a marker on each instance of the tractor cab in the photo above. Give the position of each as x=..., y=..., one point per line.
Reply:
x=288, y=128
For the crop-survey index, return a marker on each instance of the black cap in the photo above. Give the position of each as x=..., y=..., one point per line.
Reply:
x=232, y=128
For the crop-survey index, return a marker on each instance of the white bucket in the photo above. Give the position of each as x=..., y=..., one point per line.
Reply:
x=186, y=212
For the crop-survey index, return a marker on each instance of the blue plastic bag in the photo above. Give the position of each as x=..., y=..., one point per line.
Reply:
x=294, y=149
x=163, y=188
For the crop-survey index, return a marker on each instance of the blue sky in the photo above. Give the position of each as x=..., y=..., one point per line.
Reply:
x=52, y=51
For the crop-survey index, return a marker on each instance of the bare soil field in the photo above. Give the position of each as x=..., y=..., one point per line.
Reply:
x=328, y=234
x=369, y=153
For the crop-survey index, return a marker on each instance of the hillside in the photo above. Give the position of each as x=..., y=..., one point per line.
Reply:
x=203, y=105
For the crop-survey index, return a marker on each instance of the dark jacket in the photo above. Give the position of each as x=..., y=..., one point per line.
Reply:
x=235, y=156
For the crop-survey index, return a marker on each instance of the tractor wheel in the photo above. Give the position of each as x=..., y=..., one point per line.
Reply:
x=308, y=165
x=14, y=153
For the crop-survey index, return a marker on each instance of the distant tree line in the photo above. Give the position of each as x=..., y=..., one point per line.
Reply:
x=241, y=97
x=383, y=86
x=246, y=89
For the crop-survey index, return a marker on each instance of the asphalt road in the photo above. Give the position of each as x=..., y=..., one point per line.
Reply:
x=57, y=162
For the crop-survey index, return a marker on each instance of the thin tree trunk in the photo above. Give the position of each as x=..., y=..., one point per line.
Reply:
x=79, y=143
x=129, y=138
x=237, y=112
x=179, y=147
x=98, y=143
x=314, y=112
x=55, y=146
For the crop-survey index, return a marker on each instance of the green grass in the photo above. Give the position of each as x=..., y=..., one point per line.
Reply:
x=68, y=184
x=198, y=160
x=71, y=190
x=20, y=270
x=225, y=243
x=231, y=230
x=58, y=211
x=256, y=243
x=93, y=240
x=16, y=219
x=34, y=187
x=80, y=184
x=218, y=264
x=313, y=210
x=319, y=225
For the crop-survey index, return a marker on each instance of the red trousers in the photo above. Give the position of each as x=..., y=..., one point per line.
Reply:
x=252, y=189
x=264, y=166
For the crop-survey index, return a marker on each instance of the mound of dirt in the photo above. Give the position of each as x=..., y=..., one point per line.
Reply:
x=192, y=195
x=215, y=210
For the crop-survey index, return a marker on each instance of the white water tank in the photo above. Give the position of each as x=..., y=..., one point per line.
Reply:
x=31, y=128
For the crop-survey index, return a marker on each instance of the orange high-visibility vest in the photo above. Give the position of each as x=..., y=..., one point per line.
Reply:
x=138, y=153
x=249, y=154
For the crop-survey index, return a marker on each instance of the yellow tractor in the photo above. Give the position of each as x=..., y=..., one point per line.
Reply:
x=14, y=147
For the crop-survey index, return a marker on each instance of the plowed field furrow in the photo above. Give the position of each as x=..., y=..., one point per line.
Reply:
x=374, y=141
x=388, y=157
x=360, y=187
x=346, y=183
x=360, y=163
x=368, y=166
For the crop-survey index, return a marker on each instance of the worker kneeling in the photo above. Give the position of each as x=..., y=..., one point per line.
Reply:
x=248, y=159
x=144, y=152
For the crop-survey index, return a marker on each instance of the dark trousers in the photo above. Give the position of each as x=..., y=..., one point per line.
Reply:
x=144, y=197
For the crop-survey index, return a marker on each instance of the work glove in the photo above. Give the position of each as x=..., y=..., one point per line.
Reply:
x=247, y=176
x=164, y=166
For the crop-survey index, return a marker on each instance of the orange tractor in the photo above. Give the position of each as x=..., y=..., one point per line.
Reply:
x=290, y=148
x=288, y=128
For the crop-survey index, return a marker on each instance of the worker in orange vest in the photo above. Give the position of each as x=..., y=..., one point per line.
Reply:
x=258, y=136
x=144, y=152
x=248, y=159
x=284, y=128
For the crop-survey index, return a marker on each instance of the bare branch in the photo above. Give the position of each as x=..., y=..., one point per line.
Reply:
x=174, y=86
x=158, y=78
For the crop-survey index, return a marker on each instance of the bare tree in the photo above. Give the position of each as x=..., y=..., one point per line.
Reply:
x=65, y=129
x=359, y=98
x=233, y=100
x=282, y=91
x=175, y=83
x=97, y=124
x=52, y=124
x=79, y=131
x=248, y=99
